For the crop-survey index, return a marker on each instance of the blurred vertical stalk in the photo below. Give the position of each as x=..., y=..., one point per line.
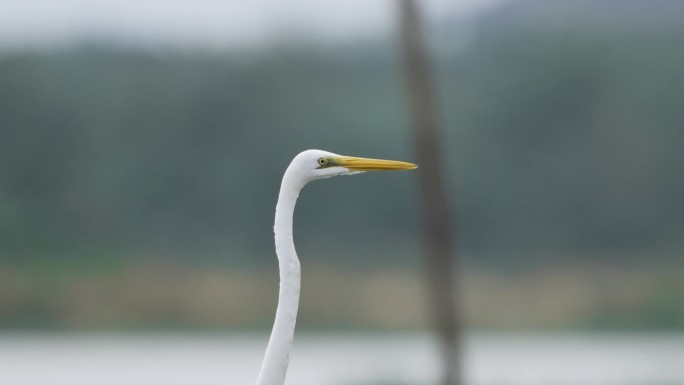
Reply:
x=440, y=253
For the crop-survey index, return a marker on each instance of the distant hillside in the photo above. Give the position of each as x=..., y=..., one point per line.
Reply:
x=563, y=120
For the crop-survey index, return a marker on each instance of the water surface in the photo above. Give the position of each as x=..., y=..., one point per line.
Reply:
x=340, y=359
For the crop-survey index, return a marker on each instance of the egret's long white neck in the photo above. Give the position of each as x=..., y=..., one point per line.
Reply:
x=277, y=357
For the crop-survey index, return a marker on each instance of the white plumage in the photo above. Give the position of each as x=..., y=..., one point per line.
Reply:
x=305, y=167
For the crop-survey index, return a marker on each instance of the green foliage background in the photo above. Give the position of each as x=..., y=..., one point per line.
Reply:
x=563, y=143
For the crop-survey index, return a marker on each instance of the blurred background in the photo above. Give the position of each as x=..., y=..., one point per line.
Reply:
x=142, y=145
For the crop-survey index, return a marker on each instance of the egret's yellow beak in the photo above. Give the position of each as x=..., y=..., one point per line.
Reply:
x=365, y=164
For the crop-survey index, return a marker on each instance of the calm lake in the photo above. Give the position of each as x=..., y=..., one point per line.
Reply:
x=340, y=359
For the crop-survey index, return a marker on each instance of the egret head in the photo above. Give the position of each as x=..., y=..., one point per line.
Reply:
x=317, y=164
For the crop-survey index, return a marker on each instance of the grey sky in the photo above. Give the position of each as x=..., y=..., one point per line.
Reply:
x=205, y=23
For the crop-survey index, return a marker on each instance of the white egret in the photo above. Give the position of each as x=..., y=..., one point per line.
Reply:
x=305, y=167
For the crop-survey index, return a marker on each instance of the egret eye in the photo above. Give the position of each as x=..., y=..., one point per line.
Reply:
x=322, y=161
